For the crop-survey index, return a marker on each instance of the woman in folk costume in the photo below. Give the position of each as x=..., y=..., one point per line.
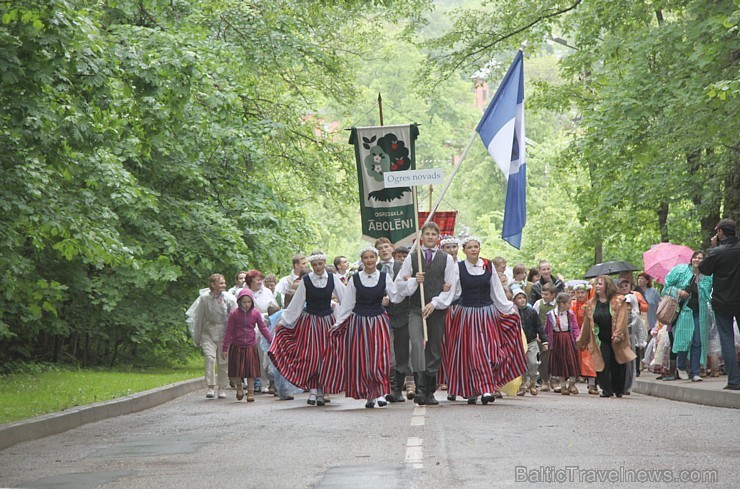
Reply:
x=450, y=245
x=360, y=341
x=561, y=327
x=300, y=351
x=690, y=330
x=604, y=334
x=482, y=347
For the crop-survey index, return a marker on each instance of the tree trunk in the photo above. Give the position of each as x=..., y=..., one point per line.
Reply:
x=732, y=189
x=598, y=251
x=663, y=221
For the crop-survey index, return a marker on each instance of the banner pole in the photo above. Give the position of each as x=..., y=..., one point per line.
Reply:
x=418, y=256
x=380, y=108
x=449, y=181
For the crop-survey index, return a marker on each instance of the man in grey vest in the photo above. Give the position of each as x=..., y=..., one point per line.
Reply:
x=437, y=269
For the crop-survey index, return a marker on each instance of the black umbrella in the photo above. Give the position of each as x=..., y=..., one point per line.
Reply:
x=609, y=268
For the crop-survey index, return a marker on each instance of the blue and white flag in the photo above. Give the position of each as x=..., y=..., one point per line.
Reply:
x=502, y=131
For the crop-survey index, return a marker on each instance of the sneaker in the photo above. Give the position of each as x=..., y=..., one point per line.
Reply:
x=221, y=394
x=682, y=374
x=696, y=378
x=211, y=394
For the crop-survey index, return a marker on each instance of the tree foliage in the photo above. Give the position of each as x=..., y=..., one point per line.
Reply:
x=148, y=144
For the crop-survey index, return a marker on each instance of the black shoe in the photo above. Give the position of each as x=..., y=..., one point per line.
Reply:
x=619, y=395
x=450, y=397
x=320, y=402
x=472, y=400
x=311, y=402
x=382, y=402
x=732, y=387
x=370, y=404
x=486, y=399
x=604, y=394
x=431, y=400
x=390, y=398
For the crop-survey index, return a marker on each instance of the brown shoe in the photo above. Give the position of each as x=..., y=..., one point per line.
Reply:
x=239, y=392
x=564, y=392
x=572, y=388
x=593, y=390
x=250, y=395
x=533, y=388
x=522, y=390
x=554, y=387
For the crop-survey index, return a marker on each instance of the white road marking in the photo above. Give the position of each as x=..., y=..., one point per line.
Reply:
x=414, y=450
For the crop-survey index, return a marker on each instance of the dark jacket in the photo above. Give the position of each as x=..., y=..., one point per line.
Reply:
x=536, y=293
x=723, y=262
x=531, y=324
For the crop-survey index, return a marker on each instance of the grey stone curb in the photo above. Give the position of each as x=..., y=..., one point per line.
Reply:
x=673, y=391
x=51, y=424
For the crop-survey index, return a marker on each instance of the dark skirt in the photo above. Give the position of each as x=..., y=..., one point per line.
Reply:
x=244, y=363
x=564, y=360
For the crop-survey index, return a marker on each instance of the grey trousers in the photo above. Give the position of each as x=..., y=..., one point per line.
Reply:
x=426, y=359
x=401, y=351
x=533, y=352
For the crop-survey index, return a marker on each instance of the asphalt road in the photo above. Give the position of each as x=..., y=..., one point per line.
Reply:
x=545, y=441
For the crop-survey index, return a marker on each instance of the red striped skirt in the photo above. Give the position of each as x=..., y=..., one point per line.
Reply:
x=361, y=352
x=514, y=360
x=471, y=351
x=452, y=329
x=564, y=359
x=300, y=354
x=244, y=362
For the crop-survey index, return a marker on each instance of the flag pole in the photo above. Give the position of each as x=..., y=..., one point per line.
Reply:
x=434, y=208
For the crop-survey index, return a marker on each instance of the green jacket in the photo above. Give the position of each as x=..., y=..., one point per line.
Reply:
x=683, y=329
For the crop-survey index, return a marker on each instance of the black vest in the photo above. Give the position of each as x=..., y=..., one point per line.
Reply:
x=369, y=300
x=476, y=289
x=318, y=301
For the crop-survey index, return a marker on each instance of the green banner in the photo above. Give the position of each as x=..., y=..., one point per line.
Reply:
x=386, y=212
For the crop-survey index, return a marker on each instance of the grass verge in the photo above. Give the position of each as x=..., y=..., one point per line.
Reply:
x=24, y=396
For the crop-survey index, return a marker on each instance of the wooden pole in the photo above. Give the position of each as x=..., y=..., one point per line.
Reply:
x=418, y=255
x=380, y=108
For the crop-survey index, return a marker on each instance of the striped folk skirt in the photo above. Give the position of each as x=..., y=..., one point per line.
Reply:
x=471, y=351
x=450, y=323
x=301, y=353
x=514, y=358
x=564, y=359
x=244, y=363
x=361, y=352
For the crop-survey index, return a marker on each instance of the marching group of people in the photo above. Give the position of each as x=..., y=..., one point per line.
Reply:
x=402, y=325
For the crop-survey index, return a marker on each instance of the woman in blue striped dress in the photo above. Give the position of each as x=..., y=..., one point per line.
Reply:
x=482, y=347
x=300, y=350
x=360, y=342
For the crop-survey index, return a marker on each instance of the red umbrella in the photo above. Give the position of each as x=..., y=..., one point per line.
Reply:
x=661, y=257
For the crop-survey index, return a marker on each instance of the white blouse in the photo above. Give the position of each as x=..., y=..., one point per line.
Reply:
x=297, y=303
x=407, y=287
x=371, y=280
x=498, y=296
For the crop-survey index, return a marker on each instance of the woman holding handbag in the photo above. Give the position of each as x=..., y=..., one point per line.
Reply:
x=691, y=289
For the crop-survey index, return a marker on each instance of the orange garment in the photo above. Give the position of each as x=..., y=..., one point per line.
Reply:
x=577, y=308
x=641, y=300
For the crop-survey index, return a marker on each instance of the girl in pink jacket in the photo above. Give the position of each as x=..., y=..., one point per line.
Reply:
x=240, y=344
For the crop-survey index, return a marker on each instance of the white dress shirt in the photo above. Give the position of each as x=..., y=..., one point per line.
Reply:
x=263, y=298
x=498, y=296
x=285, y=283
x=371, y=280
x=297, y=303
x=407, y=287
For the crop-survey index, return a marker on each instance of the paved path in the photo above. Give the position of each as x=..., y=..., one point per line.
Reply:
x=582, y=440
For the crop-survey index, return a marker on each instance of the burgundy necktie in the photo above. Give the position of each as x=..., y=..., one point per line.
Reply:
x=428, y=256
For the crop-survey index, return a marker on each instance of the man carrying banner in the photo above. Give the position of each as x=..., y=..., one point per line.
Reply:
x=437, y=269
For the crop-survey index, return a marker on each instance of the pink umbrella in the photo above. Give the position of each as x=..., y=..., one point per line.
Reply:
x=661, y=257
